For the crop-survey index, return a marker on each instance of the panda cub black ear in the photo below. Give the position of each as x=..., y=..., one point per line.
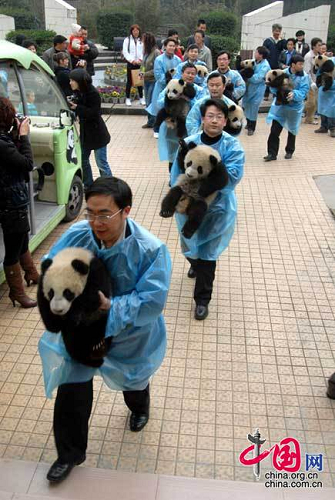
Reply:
x=181, y=82
x=232, y=107
x=191, y=145
x=45, y=265
x=80, y=266
x=213, y=160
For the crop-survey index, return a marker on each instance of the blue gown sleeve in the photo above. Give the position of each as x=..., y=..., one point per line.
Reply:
x=161, y=99
x=239, y=87
x=193, y=119
x=301, y=92
x=78, y=235
x=259, y=77
x=159, y=71
x=144, y=304
x=233, y=158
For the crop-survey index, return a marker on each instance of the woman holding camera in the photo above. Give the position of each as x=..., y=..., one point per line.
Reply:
x=16, y=161
x=94, y=135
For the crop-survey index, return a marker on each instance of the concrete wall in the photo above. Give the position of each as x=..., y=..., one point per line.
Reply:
x=59, y=16
x=256, y=25
x=6, y=24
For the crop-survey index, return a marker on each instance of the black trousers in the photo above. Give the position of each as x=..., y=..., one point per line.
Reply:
x=129, y=81
x=205, y=275
x=251, y=125
x=273, y=140
x=72, y=412
x=15, y=228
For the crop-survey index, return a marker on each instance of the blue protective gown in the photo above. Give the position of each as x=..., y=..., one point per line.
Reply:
x=289, y=115
x=326, y=100
x=162, y=64
x=217, y=228
x=255, y=90
x=198, y=80
x=140, y=268
x=168, y=141
x=193, y=120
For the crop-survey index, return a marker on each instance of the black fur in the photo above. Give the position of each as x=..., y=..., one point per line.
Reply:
x=283, y=85
x=245, y=73
x=176, y=110
x=84, y=326
x=325, y=77
x=197, y=207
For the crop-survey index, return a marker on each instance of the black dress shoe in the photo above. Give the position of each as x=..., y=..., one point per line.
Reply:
x=191, y=273
x=250, y=132
x=201, y=312
x=288, y=156
x=331, y=387
x=269, y=158
x=147, y=125
x=138, y=421
x=59, y=471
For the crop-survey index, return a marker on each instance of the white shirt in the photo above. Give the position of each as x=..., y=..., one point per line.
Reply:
x=309, y=64
x=132, y=51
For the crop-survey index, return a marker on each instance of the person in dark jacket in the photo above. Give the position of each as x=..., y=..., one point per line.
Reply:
x=301, y=47
x=16, y=161
x=275, y=45
x=285, y=55
x=94, y=135
x=91, y=53
x=62, y=72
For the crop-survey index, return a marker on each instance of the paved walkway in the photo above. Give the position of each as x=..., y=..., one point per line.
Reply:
x=262, y=357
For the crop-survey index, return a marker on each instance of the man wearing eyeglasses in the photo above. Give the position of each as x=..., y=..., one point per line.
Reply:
x=140, y=270
x=217, y=227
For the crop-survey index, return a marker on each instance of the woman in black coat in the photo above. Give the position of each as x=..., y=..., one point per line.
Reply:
x=94, y=135
x=62, y=72
x=16, y=161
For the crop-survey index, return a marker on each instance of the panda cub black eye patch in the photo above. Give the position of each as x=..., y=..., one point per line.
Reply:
x=68, y=295
x=199, y=170
x=51, y=293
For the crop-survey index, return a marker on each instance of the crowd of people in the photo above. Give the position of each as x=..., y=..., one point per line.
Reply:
x=139, y=264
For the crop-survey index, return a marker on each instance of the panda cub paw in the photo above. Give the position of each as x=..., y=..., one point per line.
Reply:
x=166, y=213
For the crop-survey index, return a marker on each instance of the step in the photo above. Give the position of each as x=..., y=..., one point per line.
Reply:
x=121, y=109
x=20, y=480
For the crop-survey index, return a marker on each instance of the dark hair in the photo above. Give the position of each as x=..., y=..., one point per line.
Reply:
x=132, y=27
x=277, y=26
x=19, y=39
x=149, y=43
x=224, y=52
x=296, y=58
x=201, y=21
x=324, y=43
x=7, y=114
x=167, y=40
x=201, y=32
x=114, y=187
x=216, y=74
x=263, y=51
x=291, y=40
x=300, y=33
x=84, y=28
x=192, y=47
x=172, y=32
x=83, y=79
x=315, y=41
x=59, y=39
x=28, y=43
x=218, y=103
x=188, y=65
x=60, y=56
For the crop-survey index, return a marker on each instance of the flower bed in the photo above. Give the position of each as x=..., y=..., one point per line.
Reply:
x=115, y=95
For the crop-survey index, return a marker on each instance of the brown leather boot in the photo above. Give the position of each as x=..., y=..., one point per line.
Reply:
x=16, y=291
x=30, y=272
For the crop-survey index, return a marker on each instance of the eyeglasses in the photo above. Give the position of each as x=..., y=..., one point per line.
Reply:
x=104, y=219
x=214, y=117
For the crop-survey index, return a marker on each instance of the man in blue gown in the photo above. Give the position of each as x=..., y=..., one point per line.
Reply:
x=140, y=270
x=217, y=228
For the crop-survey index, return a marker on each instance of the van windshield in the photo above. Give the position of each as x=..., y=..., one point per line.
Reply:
x=42, y=94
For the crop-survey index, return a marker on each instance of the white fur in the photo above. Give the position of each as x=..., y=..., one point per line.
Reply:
x=235, y=116
x=61, y=276
x=202, y=71
x=174, y=90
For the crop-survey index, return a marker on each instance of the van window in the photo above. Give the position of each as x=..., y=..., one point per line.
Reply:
x=9, y=86
x=42, y=94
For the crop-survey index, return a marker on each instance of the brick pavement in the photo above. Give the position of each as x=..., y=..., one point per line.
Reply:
x=262, y=357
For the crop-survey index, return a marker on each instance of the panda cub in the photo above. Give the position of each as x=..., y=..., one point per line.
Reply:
x=324, y=67
x=279, y=79
x=235, y=120
x=69, y=302
x=176, y=106
x=202, y=71
x=204, y=175
x=246, y=68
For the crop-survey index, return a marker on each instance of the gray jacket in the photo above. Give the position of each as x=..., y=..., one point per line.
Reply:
x=48, y=55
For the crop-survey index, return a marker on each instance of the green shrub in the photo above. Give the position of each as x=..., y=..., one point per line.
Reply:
x=24, y=20
x=111, y=23
x=42, y=38
x=219, y=43
x=331, y=37
x=221, y=23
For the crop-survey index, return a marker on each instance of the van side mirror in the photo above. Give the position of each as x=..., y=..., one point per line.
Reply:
x=66, y=118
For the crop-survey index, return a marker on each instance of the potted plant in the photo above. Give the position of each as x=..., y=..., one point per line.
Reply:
x=133, y=93
x=115, y=96
x=122, y=98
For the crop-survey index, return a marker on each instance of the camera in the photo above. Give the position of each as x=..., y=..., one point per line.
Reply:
x=20, y=117
x=73, y=99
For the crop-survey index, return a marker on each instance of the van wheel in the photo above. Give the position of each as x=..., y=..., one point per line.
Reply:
x=75, y=202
